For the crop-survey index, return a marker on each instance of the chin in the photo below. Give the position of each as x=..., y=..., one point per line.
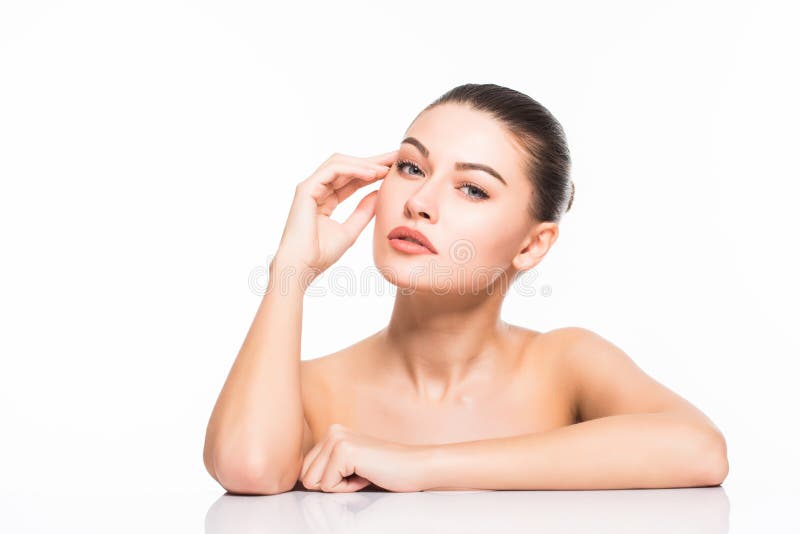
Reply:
x=408, y=271
x=425, y=273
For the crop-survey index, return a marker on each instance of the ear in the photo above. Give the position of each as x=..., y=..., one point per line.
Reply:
x=536, y=244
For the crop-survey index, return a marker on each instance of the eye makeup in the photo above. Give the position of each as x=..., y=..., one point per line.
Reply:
x=481, y=193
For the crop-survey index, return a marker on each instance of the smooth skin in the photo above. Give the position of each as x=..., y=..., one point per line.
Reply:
x=447, y=396
x=255, y=432
x=589, y=419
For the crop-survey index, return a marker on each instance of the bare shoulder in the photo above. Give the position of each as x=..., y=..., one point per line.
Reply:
x=324, y=370
x=318, y=377
x=607, y=381
x=551, y=347
x=566, y=340
x=585, y=351
x=315, y=390
x=569, y=341
x=321, y=390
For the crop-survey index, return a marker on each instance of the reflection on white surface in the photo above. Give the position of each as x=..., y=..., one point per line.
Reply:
x=684, y=510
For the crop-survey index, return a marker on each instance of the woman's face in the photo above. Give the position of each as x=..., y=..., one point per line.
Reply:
x=477, y=222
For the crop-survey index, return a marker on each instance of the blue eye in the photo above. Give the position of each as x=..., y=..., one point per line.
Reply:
x=481, y=194
x=474, y=187
x=403, y=163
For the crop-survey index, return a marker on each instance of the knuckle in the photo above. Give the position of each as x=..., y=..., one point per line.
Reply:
x=306, y=479
x=337, y=433
x=342, y=448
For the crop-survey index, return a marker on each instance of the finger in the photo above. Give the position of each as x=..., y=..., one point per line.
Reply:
x=357, y=483
x=343, y=181
x=319, y=185
x=378, y=158
x=310, y=455
x=387, y=158
x=350, y=484
x=359, y=219
x=338, y=468
x=343, y=192
x=341, y=171
x=317, y=466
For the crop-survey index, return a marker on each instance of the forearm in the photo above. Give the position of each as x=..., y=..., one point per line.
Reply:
x=655, y=450
x=256, y=427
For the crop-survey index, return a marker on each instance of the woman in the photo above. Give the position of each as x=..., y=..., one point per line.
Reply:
x=447, y=395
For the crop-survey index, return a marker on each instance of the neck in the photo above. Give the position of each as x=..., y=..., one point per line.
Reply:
x=440, y=343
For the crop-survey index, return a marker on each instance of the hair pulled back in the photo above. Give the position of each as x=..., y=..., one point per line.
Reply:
x=538, y=133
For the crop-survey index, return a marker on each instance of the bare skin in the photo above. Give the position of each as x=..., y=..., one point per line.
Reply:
x=536, y=383
x=446, y=374
x=446, y=368
x=527, y=390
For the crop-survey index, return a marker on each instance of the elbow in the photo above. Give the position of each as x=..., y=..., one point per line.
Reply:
x=713, y=468
x=252, y=478
x=244, y=482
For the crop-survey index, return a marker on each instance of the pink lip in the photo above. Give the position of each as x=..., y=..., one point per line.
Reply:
x=424, y=246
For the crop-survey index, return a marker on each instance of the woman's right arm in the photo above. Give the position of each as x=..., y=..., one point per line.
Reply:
x=253, y=442
x=252, y=437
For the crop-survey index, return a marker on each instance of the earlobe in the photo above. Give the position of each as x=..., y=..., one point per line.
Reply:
x=526, y=261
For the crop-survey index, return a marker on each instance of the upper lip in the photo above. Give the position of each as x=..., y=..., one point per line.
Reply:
x=405, y=231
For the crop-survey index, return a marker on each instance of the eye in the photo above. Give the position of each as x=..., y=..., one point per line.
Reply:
x=403, y=163
x=482, y=195
x=479, y=192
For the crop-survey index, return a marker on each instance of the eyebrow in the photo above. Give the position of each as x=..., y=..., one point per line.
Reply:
x=460, y=165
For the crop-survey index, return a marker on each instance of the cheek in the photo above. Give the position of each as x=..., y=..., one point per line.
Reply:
x=487, y=243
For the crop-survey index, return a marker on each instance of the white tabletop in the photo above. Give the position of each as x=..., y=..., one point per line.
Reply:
x=707, y=510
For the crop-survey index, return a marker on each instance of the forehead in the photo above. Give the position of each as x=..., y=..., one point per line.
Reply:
x=454, y=132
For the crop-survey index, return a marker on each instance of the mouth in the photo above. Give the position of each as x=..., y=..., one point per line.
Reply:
x=407, y=239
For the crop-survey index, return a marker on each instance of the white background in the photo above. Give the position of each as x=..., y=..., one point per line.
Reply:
x=149, y=153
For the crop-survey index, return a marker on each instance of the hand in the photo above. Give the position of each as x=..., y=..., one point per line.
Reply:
x=311, y=240
x=346, y=461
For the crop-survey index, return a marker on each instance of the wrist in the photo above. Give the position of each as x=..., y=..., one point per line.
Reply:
x=425, y=458
x=289, y=277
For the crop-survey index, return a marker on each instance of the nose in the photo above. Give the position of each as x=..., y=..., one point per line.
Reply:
x=422, y=203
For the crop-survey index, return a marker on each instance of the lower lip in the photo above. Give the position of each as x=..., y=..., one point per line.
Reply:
x=408, y=246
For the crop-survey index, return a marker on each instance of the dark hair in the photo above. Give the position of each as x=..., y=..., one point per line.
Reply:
x=538, y=133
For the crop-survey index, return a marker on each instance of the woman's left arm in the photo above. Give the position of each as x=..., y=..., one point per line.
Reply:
x=647, y=450
x=633, y=433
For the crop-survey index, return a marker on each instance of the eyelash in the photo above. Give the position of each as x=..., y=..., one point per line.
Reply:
x=400, y=163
